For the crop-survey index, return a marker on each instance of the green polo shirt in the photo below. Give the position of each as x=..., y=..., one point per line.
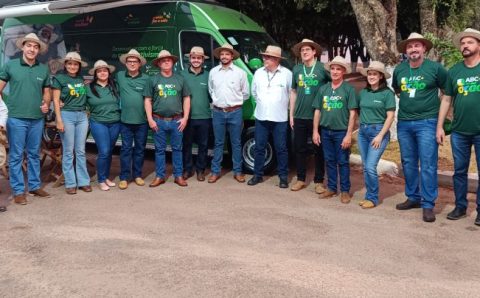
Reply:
x=167, y=94
x=374, y=105
x=307, y=82
x=104, y=108
x=131, y=97
x=418, y=88
x=26, y=88
x=464, y=88
x=335, y=105
x=200, y=98
x=73, y=92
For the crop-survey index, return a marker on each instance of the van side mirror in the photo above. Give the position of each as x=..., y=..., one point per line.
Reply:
x=255, y=63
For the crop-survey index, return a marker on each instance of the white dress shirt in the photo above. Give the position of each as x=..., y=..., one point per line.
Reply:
x=271, y=91
x=228, y=87
x=3, y=113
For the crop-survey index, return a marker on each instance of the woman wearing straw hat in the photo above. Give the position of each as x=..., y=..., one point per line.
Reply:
x=377, y=111
x=72, y=122
x=335, y=111
x=103, y=103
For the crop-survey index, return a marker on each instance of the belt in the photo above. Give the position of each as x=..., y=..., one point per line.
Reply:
x=173, y=117
x=228, y=109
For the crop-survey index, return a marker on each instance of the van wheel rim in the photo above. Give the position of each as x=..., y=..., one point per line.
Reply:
x=248, y=153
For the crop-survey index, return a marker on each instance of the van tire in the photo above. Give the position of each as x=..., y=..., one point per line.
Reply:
x=248, y=152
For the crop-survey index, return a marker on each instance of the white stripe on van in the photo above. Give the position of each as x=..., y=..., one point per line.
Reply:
x=206, y=15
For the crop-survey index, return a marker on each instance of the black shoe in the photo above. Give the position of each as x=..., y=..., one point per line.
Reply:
x=477, y=220
x=428, y=215
x=457, y=213
x=283, y=183
x=407, y=205
x=255, y=180
x=3, y=209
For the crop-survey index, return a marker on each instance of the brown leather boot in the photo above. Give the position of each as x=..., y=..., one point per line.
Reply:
x=20, y=199
x=180, y=181
x=157, y=181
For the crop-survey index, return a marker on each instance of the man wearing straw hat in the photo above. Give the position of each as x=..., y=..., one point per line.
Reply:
x=167, y=104
x=307, y=79
x=418, y=82
x=200, y=121
x=228, y=87
x=28, y=100
x=134, y=128
x=463, y=88
x=271, y=86
x=335, y=112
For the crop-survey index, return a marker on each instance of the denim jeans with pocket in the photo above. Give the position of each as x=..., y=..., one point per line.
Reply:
x=336, y=159
x=105, y=136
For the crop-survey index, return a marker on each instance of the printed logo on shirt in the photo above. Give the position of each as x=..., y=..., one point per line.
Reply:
x=76, y=89
x=412, y=83
x=468, y=85
x=332, y=102
x=306, y=81
x=166, y=90
x=39, y=79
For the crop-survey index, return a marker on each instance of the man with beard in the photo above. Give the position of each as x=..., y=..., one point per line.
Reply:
x=417, y=81
x=307, y=78
x=27, y=102
x=464, y=87
x=228, y=87
x=198, y=126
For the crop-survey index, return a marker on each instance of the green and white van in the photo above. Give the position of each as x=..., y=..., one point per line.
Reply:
x=107, y=29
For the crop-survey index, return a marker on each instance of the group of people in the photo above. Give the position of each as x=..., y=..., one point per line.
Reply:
x=313, y=100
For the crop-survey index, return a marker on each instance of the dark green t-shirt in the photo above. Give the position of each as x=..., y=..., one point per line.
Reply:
x=306, y=82
x=104, y=108
x=335, y=105
x=464, y=88
x=131, y=97
x=375, y=104
x=167, y=94
x=73, y=92
x=26, y=88
x=418, y=88
x=200, y=98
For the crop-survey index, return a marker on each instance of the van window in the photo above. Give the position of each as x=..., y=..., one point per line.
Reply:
x=189, y=39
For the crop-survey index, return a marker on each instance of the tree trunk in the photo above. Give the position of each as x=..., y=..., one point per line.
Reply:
x=428, y=17
x=377, y=21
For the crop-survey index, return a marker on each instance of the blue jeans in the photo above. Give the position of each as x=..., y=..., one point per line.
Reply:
x=73, y=140
x=24, y=135
x=279, y=132
x=336, y=159
x=105, y=136
x=132, y=134
x=417, y=139
x=370, y=157
x=197, y=131
x=168, y=128
x=231, y=122
x=461, y=148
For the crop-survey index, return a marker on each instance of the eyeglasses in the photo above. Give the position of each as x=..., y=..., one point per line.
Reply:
x=268, y=57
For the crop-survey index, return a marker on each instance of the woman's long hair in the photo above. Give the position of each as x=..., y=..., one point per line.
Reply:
x=110, y=83
x=382, y=84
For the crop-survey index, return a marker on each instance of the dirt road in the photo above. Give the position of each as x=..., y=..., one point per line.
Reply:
x=230, y=239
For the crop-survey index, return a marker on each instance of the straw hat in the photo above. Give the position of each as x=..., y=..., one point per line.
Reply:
x=164, y=54
x=469, y=32
x=73, y=56
x=132, y=53
x=307, y=42
x=227, y=47
x=414, y=37
x=198, y=51
x=377, y=66
x=339, y=60
x=273, y=51
x=33, y=38
x=101, y=64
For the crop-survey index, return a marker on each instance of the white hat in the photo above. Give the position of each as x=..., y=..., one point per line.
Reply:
x=101, y=64
x=307, y=42
x=414, y=36
x=33, y=38
x=73, y=56
x=132, y=53
x=273, y=51
x=164, y=54
x=339, y=60
x=469, y=32
x=377, y=66
x=227, y=47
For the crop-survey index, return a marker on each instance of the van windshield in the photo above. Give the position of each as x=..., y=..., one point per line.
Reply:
x=249, y=44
